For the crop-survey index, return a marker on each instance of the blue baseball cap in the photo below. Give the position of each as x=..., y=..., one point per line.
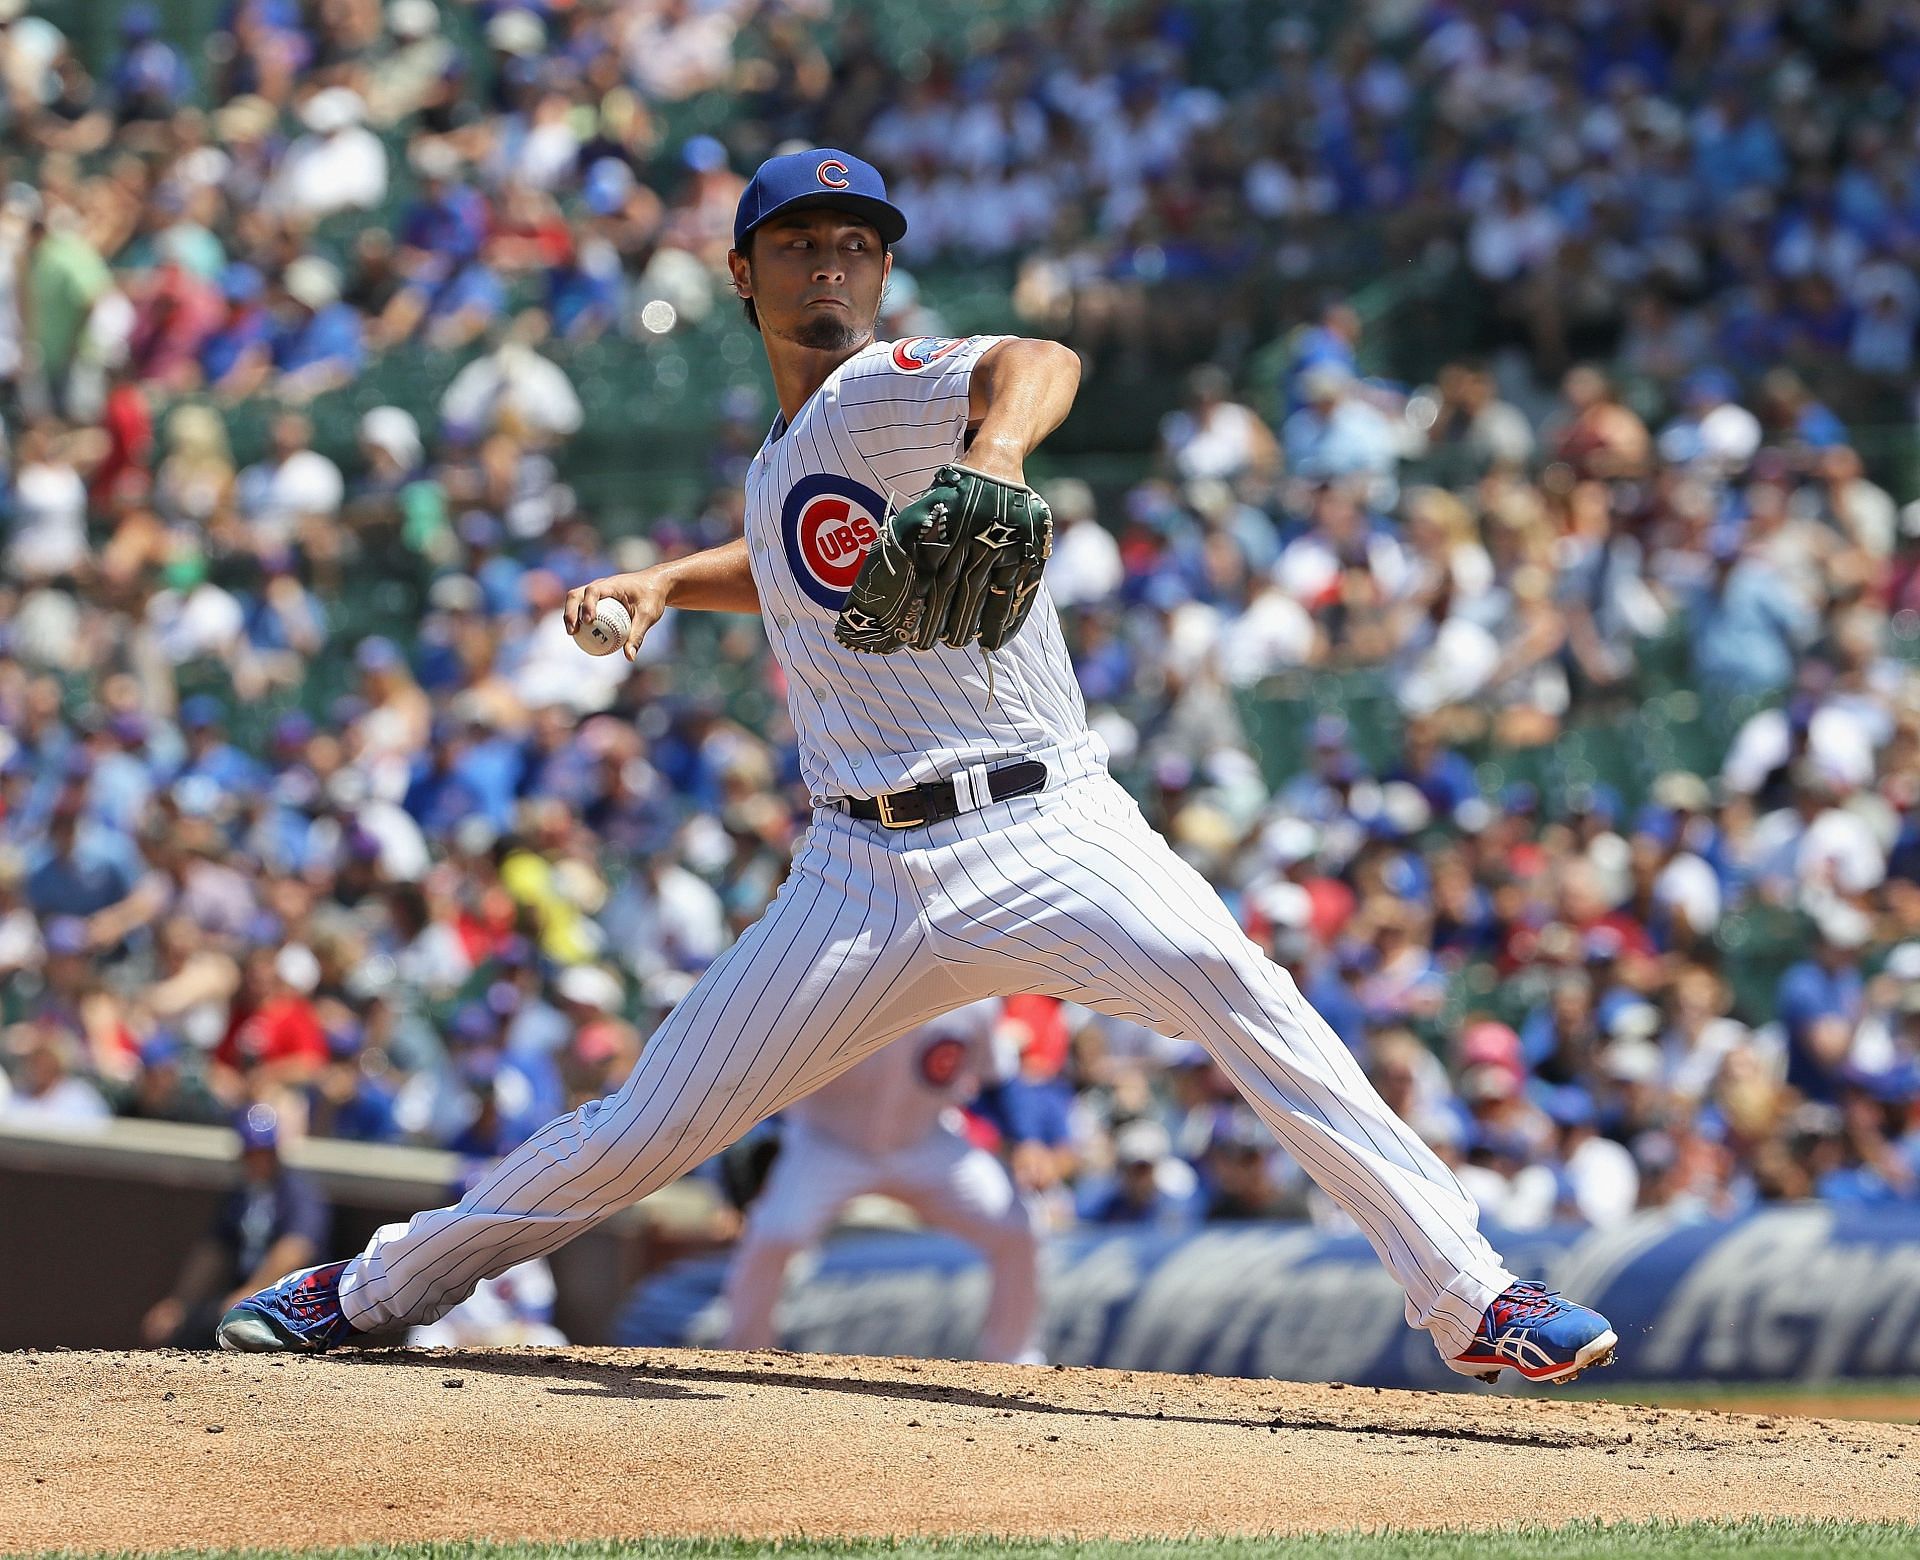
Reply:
x=474, y=1024
x=1660, y=823
x=704, y=154
x=1570, y=1106
x=377, y=653
x=162, y=1047
x=608, y=184
x=242, y=283
x=821, y=177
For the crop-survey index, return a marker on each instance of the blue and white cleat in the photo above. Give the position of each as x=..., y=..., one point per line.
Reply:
x=1541, y=1334
x=299, y=1315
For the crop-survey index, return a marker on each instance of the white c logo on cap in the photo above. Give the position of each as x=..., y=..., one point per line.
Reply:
x=832, y=173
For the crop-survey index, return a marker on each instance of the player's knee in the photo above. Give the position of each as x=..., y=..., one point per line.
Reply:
x=1216, y=958
x=680, y=1132
x=1277, y=979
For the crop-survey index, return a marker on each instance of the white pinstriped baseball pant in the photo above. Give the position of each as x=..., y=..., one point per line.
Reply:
x=1067, y=892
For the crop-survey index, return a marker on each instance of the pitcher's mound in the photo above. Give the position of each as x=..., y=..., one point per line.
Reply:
x=116, y=1451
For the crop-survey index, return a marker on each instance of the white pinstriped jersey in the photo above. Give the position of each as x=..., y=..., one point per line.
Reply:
x=874, y=433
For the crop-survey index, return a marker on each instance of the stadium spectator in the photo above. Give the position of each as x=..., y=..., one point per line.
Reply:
x=77, y=874
x=316, y=345
x=1749, y=625
x=1239, y=1179
x=274, y=1221
x=49, y=1087
x=237, y=352
x=413, y=70
x=338, y=165
x=47, y=536
x=274, y=1036
x=1216, y=438
x=149, y=79
x=1337, y=434
x=1149, y=1187
x=1821, y=1004
x=176, y=312
x=291, y=496
x=170, y=1085
x=513, y=382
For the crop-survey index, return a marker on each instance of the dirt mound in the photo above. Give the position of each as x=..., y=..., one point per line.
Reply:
x=130, y=1450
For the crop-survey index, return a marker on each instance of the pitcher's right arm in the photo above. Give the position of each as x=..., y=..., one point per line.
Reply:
x=719, y=579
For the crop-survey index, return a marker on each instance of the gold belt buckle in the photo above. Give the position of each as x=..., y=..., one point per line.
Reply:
x=885, y=804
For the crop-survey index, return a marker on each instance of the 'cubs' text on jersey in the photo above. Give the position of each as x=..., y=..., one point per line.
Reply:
x=872, y=435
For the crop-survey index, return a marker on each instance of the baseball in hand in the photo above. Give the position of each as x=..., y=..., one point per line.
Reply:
x=606, y=631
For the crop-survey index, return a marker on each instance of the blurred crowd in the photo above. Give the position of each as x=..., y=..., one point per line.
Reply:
x=432, y=876
x=1679, y=186
x=344, y=179
x=1683, y=185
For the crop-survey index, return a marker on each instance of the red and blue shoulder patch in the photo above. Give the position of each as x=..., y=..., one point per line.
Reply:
x=916, y=352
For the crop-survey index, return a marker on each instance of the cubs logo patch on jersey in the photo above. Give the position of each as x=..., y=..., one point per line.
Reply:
x=827, y=524
x=916, y=352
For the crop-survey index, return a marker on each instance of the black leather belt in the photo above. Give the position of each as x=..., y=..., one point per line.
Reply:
x=939, y=800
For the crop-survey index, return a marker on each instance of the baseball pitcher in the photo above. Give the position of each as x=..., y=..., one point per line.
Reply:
x=966, y=842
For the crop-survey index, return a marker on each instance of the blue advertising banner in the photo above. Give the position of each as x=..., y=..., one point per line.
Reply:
x=1800, y=1293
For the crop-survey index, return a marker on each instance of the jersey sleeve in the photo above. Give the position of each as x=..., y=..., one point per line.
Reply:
x=907, y=411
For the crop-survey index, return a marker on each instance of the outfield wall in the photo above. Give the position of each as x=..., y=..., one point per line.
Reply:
x=93, y=1227
x=95, y=1222
x=1802, y=1293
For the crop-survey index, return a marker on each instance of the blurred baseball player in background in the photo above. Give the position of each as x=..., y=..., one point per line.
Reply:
x=887, y=1125
x=967, y=841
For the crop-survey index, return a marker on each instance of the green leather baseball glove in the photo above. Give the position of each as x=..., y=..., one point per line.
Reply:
x=960, y=563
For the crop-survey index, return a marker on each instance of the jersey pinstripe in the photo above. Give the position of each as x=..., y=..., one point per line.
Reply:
x=872, y=435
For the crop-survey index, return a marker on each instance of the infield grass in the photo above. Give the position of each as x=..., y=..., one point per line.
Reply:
x=1778, y=1539
x=1894, y=1401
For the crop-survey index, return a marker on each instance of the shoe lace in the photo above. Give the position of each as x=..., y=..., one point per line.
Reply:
x=1525, y=1303
x=313, y=1298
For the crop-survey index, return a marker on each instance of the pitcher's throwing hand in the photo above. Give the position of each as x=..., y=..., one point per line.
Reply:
x=641, y=595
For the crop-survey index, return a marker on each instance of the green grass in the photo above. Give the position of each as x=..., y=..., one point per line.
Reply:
x=1896, y=1399
x=1775, y=1539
